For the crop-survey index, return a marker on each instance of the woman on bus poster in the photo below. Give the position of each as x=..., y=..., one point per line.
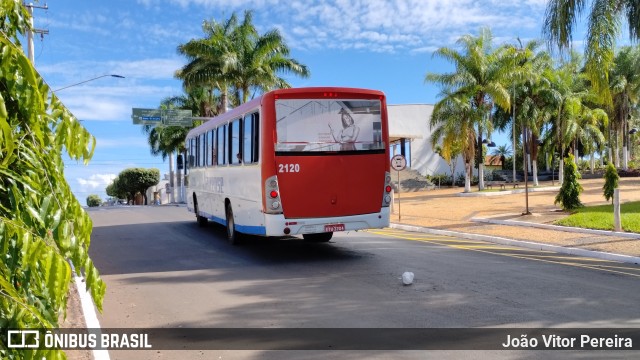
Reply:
x=348, y=135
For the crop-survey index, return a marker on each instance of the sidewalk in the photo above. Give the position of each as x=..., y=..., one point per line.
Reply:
x=498, y=215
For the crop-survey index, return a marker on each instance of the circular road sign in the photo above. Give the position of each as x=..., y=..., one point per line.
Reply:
x=398, y=162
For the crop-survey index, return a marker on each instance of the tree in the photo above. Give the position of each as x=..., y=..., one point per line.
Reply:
x=261, y=59
x=234, y=58
x=167, y=140
x=532, y=96
x=611, y=178
x=569, y=195
x=584, y=129
x=501, y=152
x=479, y=76
x=602, y=29
x=210, y=60
x=451, y=156
x=94, y=200
x=452, y=121
x=115, y=189
x=138, y=180
x=624, y=84
x=43, y=228
x=567, y=86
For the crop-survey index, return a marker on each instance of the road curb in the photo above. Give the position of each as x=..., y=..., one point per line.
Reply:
x=89, y=314
x=557, y=228
x=508, y=192
x=520, y=243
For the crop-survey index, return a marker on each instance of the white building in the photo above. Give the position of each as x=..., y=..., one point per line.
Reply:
x=410, y=135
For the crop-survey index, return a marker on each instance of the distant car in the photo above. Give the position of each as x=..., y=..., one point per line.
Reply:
x=122, y=201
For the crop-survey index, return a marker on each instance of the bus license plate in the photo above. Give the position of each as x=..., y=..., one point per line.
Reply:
x=334, y=227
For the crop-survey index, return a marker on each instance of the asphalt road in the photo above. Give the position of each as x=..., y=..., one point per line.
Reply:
x=163, y=271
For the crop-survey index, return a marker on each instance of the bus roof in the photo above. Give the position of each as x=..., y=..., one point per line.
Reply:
x=255, y=103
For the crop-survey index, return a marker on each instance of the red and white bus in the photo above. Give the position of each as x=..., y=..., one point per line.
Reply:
x=306, y=161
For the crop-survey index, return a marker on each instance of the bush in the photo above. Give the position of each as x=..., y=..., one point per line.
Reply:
x=569, y=195
x=610, y=182
x=93, y=200
x=583, y=165
x=460, y=179
x=439, y=179
x=629, y=173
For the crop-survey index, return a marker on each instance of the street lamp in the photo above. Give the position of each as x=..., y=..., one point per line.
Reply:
x=86, y=81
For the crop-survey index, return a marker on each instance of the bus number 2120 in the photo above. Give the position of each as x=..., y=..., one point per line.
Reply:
x=289, y=168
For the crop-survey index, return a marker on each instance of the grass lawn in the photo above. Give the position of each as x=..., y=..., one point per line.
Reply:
x=601, y=217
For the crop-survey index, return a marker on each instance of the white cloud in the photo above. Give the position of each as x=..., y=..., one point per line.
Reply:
x=107, y=98
x=95, y=182
x=392, y=25
x=154, y=68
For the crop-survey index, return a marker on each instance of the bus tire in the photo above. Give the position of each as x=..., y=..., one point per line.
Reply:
x=321, y=237
x=232, y=234
x=202, y=221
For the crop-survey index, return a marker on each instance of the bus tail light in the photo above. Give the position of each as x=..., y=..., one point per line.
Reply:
x=386, y=194
x=272, y=196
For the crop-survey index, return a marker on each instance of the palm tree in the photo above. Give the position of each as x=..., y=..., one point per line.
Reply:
x=501, y=152
x=567, y=92
x=602, y=29
x=585, y=130
x=260, y=59
x=234, y=58
x=531, y=95
x=167, y=140
x=210, y=60
x=453, y=120
x=625, y=90
x=478, y=79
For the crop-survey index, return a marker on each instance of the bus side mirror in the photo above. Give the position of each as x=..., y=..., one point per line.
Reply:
x=180, y=162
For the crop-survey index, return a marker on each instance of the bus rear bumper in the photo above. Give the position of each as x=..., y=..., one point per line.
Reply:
x=278, y=225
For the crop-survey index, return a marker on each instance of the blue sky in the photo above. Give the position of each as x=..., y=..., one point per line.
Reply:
x=383, y=45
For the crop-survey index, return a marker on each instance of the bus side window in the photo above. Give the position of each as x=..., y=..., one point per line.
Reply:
x=221, y=132
x=212, y=150
x=197, y=154
x=255, y=144
x=250, y=138
x=203, y=150
x=235, y=151
x=192, y=153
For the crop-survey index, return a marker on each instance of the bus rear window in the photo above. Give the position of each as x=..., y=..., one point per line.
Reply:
x=328, y=125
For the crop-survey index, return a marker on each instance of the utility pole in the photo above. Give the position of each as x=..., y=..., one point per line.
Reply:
x=33, y=30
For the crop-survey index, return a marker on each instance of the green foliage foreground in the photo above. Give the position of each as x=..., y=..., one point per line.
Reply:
x=43, y=228
x=601, y=217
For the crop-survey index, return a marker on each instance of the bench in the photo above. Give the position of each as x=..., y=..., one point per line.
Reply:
x=515, y=184
x=491, y=184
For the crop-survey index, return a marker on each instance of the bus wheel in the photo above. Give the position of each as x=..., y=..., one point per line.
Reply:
x=322, y=237
x=202, y=221
x=232, y=234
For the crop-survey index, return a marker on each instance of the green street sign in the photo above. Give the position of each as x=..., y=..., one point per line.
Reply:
x=177, y=118
x=162, y=117
x=146, y=116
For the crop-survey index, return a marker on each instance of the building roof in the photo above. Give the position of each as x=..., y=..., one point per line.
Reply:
x=492, y=160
